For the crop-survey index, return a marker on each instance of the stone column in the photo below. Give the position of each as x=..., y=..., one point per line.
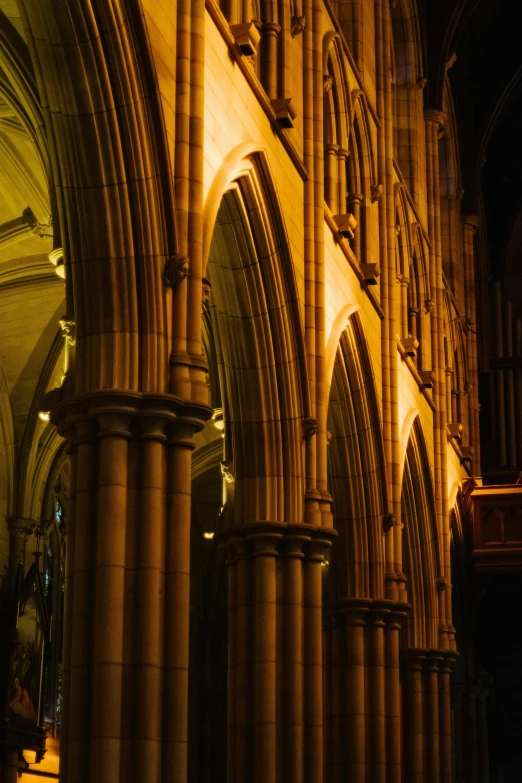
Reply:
x=331, y=177
x=126, y=618
x=268, y=59
x=275, y=668
x=355, y=201
x=482, y=736
x=432, y=713
x=471, y=745
x=445, y=727
x=393, y=696
x=500, y=411
x=414, y=727
x=342, y=157
x=470, y=224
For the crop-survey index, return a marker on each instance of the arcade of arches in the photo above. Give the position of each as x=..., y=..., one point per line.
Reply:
x=260, y=392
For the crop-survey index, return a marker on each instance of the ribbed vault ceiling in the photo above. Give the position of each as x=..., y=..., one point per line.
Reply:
x=31, y=295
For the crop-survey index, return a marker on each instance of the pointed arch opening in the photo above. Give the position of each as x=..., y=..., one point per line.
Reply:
x=421, y=553
x=356, y=472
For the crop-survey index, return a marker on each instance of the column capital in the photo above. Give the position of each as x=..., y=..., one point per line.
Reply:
x=331, y=147
x=434, y=118
x=270, y=28
x=289, y=540
x=113, y=410
x=470, y=222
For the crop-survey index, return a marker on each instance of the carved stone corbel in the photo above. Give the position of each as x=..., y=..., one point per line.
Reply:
x=285, y=112
x=176, y=271
x=68, y=328
x=226, y=472
x=247, y=37
x=376, y=192
x=42, y=230
x=327, y=82
x=297, y=25
x=310, y=427
x=206, y=290
x=429, y=304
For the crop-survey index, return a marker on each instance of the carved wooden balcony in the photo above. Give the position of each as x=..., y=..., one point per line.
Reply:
x=497, y=528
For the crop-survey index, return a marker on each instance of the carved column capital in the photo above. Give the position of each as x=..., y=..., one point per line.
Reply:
x=434, y=118
x=470, y=222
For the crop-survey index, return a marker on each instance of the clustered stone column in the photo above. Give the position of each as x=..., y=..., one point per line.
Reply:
x=125, y=659
x=470, y=225
x=362, y=699
x=471, y=731
x=427, y=715
x=275, y=693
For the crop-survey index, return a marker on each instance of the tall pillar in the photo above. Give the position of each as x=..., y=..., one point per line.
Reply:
x=432, y=713
x=470, y=224
x=413, y=710
x=126, y=662
x=275, y=667
x=393, y=696
x=500, y=411
x=445, y=722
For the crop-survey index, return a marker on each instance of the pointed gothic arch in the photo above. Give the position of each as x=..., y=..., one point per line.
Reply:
x=106, y=162
x=356, y=471
x=257, y=334
x=421, y=548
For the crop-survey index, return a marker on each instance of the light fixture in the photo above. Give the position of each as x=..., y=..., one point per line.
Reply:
x=325, y=563
x=209, y=535
x=44, y=415
x=217, y=418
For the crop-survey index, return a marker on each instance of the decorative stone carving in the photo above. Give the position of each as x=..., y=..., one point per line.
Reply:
x=370, y=273
x=346, y=224
x=468, y=324
x=420, y=84
x=206, y=290
x=459, y=193
x=246, y=36
x=285, y=112
x=68, y=329
x=410, y=345
x=376, y=192
x=455, y=430
x=427, y=378
x=42, y=230
x=327, y=82
x=226, y=472
x=310, y=427
x=467, y=387
x=176, y=271
x=388, y=522
x=429, y=304
x=397, y=230
x=297, y=25
x=441, y=583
